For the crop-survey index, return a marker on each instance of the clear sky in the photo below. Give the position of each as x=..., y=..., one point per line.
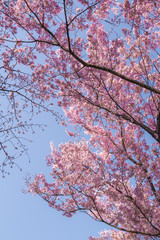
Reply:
x=25, y=217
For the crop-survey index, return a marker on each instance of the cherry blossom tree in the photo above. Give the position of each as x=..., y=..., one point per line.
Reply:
x=100, y=60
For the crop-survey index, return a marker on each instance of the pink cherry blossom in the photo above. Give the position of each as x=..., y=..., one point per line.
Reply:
x=101, y=62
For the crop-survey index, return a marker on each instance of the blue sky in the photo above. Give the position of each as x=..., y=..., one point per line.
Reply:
x=25, y=217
